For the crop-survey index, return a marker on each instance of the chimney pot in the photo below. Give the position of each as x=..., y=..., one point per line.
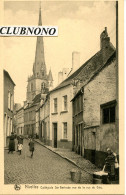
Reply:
x=106, y=30
x=75, y=60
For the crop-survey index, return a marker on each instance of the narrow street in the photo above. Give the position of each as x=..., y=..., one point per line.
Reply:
x=44, y=168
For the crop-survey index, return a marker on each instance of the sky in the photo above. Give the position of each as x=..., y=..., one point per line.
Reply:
x=80, y=24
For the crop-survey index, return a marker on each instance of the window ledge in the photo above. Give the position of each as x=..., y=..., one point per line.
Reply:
x=64, y=140
x=65, y=111
x=93, y=126
x=108, y=123
x=54, y=113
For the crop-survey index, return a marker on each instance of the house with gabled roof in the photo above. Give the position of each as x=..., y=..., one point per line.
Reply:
x=60, y=97
x=95, y=125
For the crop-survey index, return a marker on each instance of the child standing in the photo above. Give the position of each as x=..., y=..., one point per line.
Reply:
x=20, y=146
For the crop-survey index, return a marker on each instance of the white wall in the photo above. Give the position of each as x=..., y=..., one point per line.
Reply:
x=59, y=118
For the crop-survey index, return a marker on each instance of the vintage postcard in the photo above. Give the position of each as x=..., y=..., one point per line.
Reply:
x=62, y=97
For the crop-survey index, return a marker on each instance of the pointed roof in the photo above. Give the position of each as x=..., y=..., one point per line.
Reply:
x=39, y=64
x=7, y=74
x=50, y=77
x=40, y=17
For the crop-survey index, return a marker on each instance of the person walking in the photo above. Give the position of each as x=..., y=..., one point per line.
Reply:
x=20, y=141
x=20, y=147
x=31, y=147
x=11, y=143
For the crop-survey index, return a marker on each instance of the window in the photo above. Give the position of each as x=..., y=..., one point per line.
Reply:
x=31, y=86
x=7, y=126
x=11, y=102
x=9, y=96
x=43, y=86
x=73, y=107
x=11, y=125
x=64, y=130
x=108, y=113
x=81, y=102
x=65, y=103
x=55, y=105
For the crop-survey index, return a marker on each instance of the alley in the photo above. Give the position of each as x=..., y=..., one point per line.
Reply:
x=44, y=168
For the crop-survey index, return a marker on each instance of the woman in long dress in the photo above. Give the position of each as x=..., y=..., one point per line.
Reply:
x=11, y=143
x=31, y=146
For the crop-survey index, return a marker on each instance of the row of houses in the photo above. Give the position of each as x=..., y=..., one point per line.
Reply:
x=8, y=92
x=81, y=112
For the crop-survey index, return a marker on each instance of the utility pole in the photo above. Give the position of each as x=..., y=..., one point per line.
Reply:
x=117, y=79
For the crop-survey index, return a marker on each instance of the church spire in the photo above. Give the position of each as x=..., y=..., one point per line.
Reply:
x=40, y=17
x=50, y=77
x=39, y=67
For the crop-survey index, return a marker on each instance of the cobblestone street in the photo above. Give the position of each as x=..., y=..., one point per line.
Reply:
x=45, y=167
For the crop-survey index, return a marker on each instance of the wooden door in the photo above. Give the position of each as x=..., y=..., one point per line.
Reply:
x=55, y=134
x=93, y=147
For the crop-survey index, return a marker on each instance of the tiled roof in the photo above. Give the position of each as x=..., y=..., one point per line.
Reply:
x=88, y=68
x=112, y=58
x=20, y=109
x=36, y=99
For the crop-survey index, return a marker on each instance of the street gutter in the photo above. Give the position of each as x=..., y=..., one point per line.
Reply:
x=69, y=160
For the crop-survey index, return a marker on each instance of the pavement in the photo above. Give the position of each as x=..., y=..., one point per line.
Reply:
x=46, y=167
x=73, y=158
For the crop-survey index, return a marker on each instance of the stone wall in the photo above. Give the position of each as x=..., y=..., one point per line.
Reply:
x=98, y=136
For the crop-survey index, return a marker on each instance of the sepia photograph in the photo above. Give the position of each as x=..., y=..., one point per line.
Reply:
x=61, y=95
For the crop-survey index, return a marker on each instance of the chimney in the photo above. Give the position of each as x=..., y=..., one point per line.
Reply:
x=60, y=77
x=75, y=60
x=104, y=44
x=105, y=40
x=25, y=102
x=65, y=73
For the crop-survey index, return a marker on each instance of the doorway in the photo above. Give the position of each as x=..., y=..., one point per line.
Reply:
x=55, y=134
x=93, y=147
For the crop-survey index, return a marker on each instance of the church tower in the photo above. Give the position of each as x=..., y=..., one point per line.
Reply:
x=39, y=80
